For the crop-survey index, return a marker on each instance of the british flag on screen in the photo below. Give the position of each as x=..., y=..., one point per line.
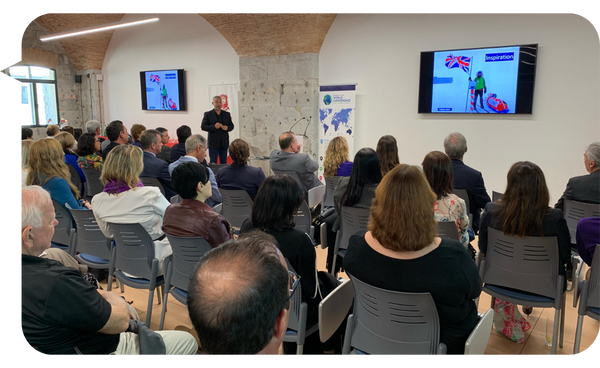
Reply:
x=154, y=78
x=462, y=62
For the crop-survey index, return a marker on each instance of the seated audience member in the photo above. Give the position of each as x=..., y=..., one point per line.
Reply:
x=136, y=132
x=588, y=236
x=238, y=297
x=67, y=141
x=196, y=152
x=88, y=149
x=276, y=203
x=585, y=188
x=155, y=167
x=92, y=127
x=239, y=175
x=358, y=191
x=290, y=159
x=401, y=244
x=48, y=169
x=524, y=211
x=52, y=130
x=26, y=133
x=387, y=150
x=165, y=153
x=448, y=207
x=116, y=132
x=336, y=161
x=126, y=200
x=25, y=147
x=178, y=150
x=192, y=217
x=62, y=313
x=465, y=177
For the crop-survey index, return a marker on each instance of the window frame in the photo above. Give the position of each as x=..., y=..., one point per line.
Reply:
x=34, y=82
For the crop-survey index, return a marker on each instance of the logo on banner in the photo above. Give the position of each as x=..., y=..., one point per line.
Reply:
x=327, y=99
x=224, y=104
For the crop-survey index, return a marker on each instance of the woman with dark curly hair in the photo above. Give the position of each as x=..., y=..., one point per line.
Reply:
x=239, y=175
x=87, y=149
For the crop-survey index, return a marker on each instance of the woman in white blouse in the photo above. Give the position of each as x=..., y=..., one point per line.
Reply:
x=125, y=199
x=437, y=167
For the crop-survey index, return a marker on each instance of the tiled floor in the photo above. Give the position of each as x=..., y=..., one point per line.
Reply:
x=177, y=319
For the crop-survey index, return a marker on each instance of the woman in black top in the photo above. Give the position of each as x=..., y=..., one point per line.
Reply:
x=402, y=252
x=523, y=211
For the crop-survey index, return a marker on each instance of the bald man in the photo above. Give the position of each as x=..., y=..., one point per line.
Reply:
x=238, y=297
x=289, y=158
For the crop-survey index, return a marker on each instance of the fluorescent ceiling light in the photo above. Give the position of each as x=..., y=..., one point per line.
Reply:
x=105, y=27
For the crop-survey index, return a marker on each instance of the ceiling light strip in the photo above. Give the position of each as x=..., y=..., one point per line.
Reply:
x=105, y=27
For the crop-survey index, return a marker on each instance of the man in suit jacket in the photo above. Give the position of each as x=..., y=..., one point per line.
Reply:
x=465, y=177
x=585, y=188
x=218, y=124
x=155, y=167
x=165, y=153
x=290, y=159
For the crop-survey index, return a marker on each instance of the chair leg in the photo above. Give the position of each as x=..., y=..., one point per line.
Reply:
x=122, y=288
x=163, y=312
x=149, y=308
x=493, y=302
x=578, y=334
x=555, y=331
x=562, y=318
x=159, y=295
x=299, y=349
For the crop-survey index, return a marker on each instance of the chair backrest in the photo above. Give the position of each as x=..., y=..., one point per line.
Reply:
x=353, y=220
x=93, y=184
x=237, y=206
x=334, y=308
x=62, y=231
x=448, y=230
x=75, y=178
x=593, y=293
x=303, y=218
x=529, y=264
x=152, y=182
x=294, y=175
x=575, y=211
x=496, y=196
x=330, y=183
x=392, y=322
x=134, y=250
x=464, y=195
x=90, y=239
x=216, y=167
x=176, y=199
x=295, y=304
x=187, y=252
x=315, y=195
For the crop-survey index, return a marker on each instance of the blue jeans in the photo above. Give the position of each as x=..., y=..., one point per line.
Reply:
x=221, y=153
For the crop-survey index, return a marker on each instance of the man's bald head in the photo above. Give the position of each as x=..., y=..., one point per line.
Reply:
x=236, y=294
x=286, y=140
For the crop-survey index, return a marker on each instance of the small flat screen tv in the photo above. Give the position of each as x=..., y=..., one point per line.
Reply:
x=492, y=80
x=163, y=90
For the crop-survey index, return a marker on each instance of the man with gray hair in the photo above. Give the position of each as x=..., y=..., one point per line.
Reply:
x=93, y=127
x=465, y=177
x=585, y=188
x=195, y=149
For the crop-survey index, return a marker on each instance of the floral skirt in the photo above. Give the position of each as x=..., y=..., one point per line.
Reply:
x=510, y=321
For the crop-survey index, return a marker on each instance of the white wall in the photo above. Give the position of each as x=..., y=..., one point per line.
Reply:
x=382, y=53
x=176, y=41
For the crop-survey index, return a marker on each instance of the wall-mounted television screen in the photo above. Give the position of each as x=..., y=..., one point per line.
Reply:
x=492, y=80
x=163, y=90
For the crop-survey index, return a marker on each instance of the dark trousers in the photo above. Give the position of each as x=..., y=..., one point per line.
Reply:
x=221, y=153
x=479, y=92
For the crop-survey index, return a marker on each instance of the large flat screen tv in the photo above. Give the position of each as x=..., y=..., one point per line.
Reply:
x=163, y=90
x=491, y=80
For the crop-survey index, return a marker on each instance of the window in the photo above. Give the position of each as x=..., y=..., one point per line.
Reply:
x=39, y=96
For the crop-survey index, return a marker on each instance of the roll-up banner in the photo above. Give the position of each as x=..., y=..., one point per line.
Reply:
x=336, y=118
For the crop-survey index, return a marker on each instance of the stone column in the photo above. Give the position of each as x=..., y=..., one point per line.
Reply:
x=276, y=92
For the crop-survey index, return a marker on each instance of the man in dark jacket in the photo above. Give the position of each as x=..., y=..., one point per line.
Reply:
x=585, y=188
x=465, y=177
x=218, y=124
x=155, y=167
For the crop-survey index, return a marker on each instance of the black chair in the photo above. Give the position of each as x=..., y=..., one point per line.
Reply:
x=464, y=195
x=237, y=206
x=75, y=178
x=330, y=183
x=448, y=230
x=216, y=167
x=303, y=220
x=496, y=196
x=64, y=232
x=152, y=182
x=175, y=199
x=93, y=185
x=353, y=221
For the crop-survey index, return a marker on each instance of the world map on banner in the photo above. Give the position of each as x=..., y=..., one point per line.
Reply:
x=338, y=119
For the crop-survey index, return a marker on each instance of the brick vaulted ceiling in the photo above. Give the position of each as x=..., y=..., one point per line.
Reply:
x=250, y=35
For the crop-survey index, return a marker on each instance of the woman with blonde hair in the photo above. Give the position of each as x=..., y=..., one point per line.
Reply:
x=387, y=150
x=48, y=170
x=126, y=200
x=402, y=245
x=25, y=147
x=336, y=161
x=67, y=141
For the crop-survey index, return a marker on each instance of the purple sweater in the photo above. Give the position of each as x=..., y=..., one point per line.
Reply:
x=588, y=235
x=345, y=169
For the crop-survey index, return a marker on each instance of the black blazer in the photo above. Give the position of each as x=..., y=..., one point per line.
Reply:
x=217, y=138
x=156, y=168
x=584, y=188
x=465, y=177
